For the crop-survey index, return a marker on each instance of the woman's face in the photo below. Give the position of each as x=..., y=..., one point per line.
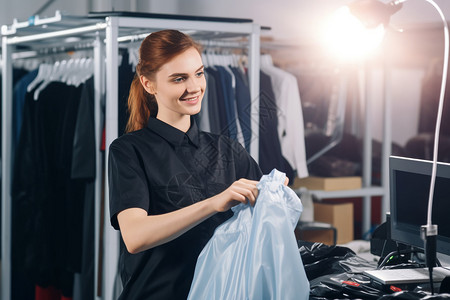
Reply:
x=179, y=86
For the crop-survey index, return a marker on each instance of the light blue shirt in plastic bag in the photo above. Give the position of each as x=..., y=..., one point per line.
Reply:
x=254, y=254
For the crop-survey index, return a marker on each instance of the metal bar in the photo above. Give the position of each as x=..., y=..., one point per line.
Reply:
x=6, y=168
x=387, y=141
x=254, y=66
x=367, y=152
x=244, y=28
x=110, y=237
x=32, y=21
x=60, y=33
x=370, y=192
x=132, y=38
x=99, y=90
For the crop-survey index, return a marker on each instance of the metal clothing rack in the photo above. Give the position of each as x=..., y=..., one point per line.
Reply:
x=19, y=38
x=107, y=30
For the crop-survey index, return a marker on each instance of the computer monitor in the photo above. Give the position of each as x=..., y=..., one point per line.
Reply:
x=409, y=191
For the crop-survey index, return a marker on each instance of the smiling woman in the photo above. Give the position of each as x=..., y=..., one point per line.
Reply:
x=178, y=94
x=171, y=184
x=157, y=53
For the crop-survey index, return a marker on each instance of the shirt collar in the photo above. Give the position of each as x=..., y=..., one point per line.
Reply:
x=173, y=135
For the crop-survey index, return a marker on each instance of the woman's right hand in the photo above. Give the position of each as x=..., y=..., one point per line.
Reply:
x=240, y=191
x=141, y=231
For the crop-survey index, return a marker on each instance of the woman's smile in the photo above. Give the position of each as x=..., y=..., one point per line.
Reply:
x=191, y=99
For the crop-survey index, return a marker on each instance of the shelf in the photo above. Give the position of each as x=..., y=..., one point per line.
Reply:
x=363, y=192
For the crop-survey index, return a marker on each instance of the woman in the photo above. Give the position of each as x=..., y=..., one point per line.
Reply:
x=170, y=184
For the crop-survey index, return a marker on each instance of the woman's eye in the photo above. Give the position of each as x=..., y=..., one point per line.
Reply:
x=200, y=74
x=178, y=79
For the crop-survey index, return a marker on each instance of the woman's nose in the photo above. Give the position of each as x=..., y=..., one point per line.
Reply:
x=192, y=86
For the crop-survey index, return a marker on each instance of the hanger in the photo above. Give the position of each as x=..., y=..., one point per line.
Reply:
x=74, y=72
x=77, y=74
x=266, y=60
x=56, y=72
x=133, y=55
x=44, y=71
x=83, y=70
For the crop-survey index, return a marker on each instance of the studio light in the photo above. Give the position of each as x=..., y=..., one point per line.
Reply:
x=348, y=38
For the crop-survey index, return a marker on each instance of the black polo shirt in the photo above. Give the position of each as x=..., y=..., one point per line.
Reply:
x=161, y=169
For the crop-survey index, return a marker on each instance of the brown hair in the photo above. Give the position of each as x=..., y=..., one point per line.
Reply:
x=156, y=49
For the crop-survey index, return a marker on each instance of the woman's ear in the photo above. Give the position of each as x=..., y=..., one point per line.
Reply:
x=148, y=85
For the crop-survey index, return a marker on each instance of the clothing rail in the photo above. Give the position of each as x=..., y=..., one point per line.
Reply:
x=43, y=52
x=7, y=98
x=222, y=44
x=111, y=27
x=61, y=33
x=33, y=21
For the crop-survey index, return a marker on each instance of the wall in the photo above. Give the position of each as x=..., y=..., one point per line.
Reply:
x=292, y=22
x=404, y=102
x=23, y=9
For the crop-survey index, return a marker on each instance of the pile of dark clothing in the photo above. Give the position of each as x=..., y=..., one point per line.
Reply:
x=336, y=272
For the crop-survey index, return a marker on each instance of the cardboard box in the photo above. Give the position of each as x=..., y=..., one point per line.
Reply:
x=340, y=215
x=328, y=183
x=324, y=236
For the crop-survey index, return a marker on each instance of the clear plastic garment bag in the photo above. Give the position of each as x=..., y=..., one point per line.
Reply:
x=254, y=255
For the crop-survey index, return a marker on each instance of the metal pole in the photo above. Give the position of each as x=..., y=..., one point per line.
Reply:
x=111, y=237
x=6, y=167
x=367, y=153
x=99, y=90
x=387, y=140
x=254, y=62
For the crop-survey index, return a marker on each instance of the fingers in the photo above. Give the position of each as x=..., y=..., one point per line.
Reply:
x=245, y=191
x=286, y=181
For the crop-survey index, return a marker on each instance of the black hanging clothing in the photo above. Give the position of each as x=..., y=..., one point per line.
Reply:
x=229, y=102
x=213, y=112
x=161, y=169
x=243, y=105
x=47, y=205
x=220, y=101
x=19, y=93
x=126, y=75
x=83, y=173
x=270, y=155
x=21, y=286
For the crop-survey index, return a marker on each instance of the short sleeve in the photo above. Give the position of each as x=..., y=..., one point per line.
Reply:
x=246, y=166
x=128, y=186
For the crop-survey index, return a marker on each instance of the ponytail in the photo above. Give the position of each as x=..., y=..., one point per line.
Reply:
x=141, y=105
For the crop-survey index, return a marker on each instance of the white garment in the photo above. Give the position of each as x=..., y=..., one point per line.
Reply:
x=291, y=131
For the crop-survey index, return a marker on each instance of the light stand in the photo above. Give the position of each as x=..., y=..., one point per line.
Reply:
x=375, y=12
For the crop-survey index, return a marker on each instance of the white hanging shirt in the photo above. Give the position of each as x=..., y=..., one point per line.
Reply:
x=291, y=129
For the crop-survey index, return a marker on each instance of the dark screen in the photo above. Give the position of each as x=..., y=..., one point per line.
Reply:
x=410, y=187
x=412, y=201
